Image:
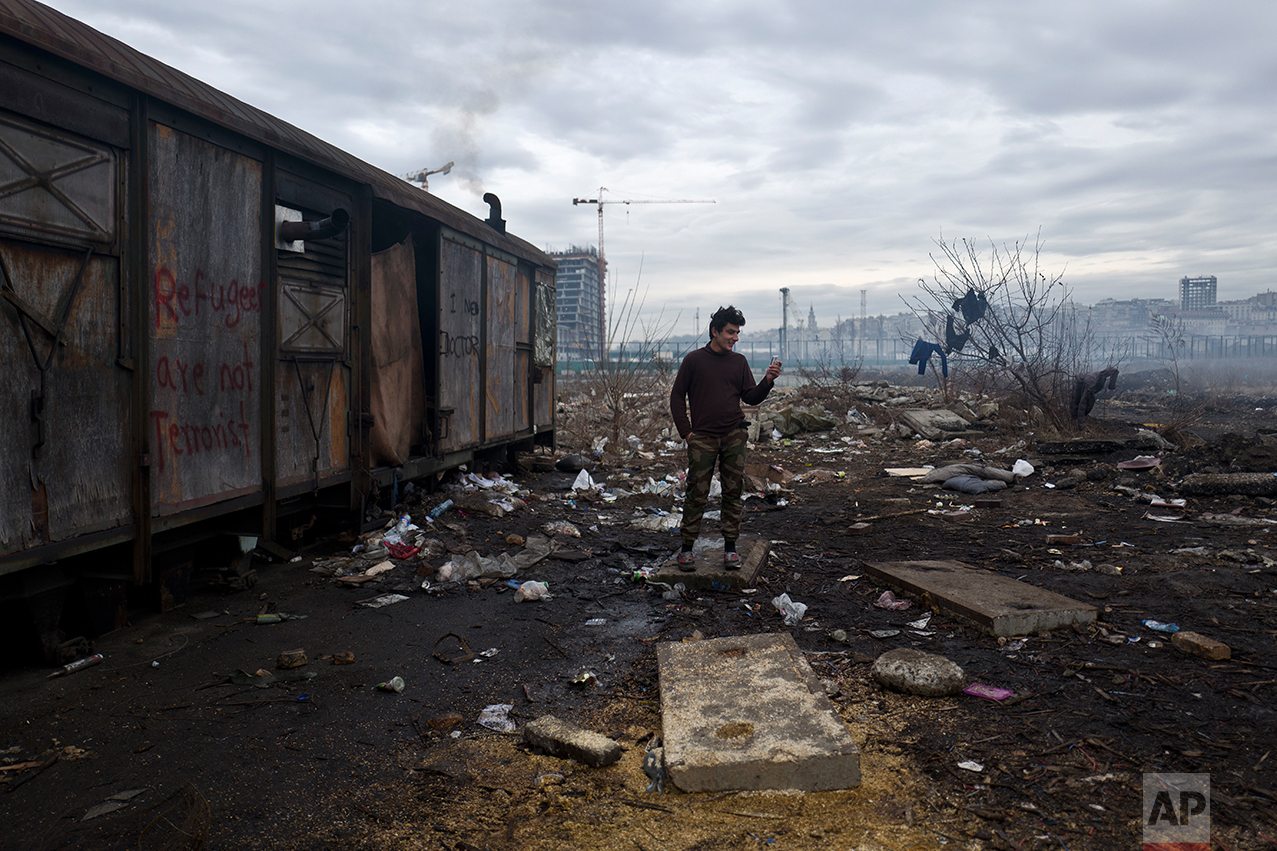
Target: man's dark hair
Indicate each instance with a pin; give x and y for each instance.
(725, 316)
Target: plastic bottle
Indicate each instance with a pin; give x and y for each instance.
(438, 510)
(394, 684)
(77, 665)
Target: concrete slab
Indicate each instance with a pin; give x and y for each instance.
(748, 713)
(935, 425)
(991, 602)
(710, 572)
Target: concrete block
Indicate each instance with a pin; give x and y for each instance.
(748, 713)
(989, 601)
(571, 742)
(1200, 645)
(710, 572)
(915, 672)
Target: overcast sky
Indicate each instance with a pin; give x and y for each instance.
(838, 138)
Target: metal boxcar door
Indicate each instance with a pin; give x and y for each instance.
(500, 387)
(313, 378)
(460, 324)
(64, 400)
(205, 307)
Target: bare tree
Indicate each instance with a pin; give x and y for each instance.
(1008, 324)
(627, 387)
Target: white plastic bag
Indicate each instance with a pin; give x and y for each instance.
(532, 590)
(792, 611)
(1022, 468)
(583, 481)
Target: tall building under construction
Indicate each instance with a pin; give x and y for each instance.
(1196, 293)
(580, 302)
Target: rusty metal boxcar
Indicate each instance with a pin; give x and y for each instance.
(215, 324)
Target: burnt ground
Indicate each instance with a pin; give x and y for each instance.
(333, 762)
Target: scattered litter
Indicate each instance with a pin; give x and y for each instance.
(102, 809)
(377, 569)
(77, 665)
(465, 655)
(532, 590)
(850, 577)
(990, 692)
(658, 523)
(1140, 462)
(792, 611)
(583, 481)
(584, 679)
(920, 623)
(1158, 626)
(887, 600)
(971, 765)
(596, 622)
(1162, 518)
(884, 633)
(438, 510)
(489, 653)
(291, 659)
(383, 600)
(395, 684)
(561, 527)
(1021, 468)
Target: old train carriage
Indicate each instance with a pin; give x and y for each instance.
(216, 326)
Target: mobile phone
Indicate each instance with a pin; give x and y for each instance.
(775, 359)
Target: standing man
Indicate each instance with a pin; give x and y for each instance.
(715, 380)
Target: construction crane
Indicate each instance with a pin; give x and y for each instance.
(600, 201)
(421, 175)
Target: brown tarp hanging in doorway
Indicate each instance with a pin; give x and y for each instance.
(398, 394)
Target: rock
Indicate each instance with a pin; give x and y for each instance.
(1199, 645)
(291, 659)
(915, 672)
(1068, 482)
(571, 742)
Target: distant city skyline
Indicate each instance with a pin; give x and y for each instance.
(839, 138)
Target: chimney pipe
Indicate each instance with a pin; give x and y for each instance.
(322, 229)
(494, 212)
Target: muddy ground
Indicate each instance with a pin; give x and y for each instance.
(331, 761)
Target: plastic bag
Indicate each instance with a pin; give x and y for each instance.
(888, 601)
(792, 611)
(1022, 468)
(561, 527)
(532, 590)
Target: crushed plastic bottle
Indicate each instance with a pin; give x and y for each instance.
(1158, 626)
(438, 510)
(395, 684)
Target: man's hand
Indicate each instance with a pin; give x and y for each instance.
(773, 371)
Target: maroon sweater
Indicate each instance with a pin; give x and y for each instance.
(715, 384)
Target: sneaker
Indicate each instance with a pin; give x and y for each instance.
(687, 561)
(731, 560)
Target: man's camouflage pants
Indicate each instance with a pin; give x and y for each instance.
(702, 452)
